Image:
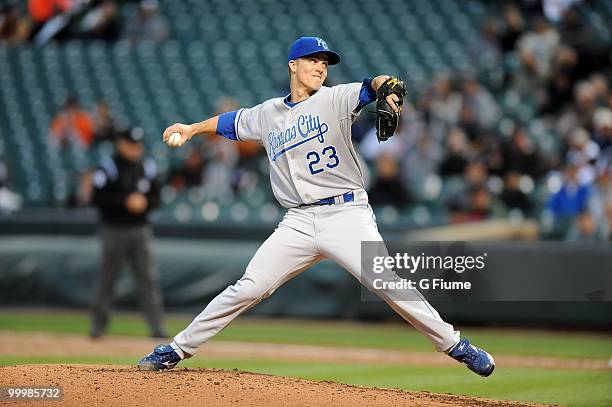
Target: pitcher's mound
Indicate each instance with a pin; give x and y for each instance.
(92, 385)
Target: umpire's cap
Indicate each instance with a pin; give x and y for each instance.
(135, 135)
(305, 46)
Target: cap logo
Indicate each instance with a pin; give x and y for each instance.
(305, 46)
(322, 43)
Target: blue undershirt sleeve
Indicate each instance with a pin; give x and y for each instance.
(366, 94)
(225, 125)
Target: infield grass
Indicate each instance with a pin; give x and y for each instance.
(561, 344)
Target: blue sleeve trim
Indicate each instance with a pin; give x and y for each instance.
(366, 94)
(225, 125)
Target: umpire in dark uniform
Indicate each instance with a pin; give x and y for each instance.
(125, 191)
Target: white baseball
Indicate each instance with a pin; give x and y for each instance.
(175, 140)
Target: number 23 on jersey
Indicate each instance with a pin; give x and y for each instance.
(330, 160)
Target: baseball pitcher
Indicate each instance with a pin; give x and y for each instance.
(316, 175)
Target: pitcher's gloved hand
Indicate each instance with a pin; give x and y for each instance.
(389, 101)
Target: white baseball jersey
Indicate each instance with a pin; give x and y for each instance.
(308, 145)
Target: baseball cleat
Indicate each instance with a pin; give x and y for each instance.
(163, 357)
(476, 359)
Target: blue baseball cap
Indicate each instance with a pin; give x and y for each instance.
(305, 46)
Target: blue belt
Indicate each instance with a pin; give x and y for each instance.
(348, 197)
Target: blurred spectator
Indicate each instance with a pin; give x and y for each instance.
(485, 51)
(481, 207)
(388, 188)
(191, 171)
(246, 149)
(529, 80)
(560, 87)
(148, 24)
(52, 18)
(102, 22)
(493, 157)
(477, 205)
(475, 174)
(521, 155)
(600, 201)
(42, 10)
(445, 105)
(554, 9)
(398, 145)
(602, 123)
(83, 194)
(473, 201)
(574, 32)
(104, 124)
(580, 114)
(9, 200)
(572, 198)
(481, 102)
(601, 89)
(580, 35)
(513, 28)
(584, 228)
(222, 176)
(512, 196)
(422, 159)
(455, 160)
(125, 191)
(469, 123)
(13, 27)
(608, 231)
(222, 158)
(540, 42)
(584, 153)
(72, 124)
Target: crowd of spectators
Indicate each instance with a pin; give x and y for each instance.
(462, 149)
(223, 168)
(40, 21)
(493, 162)
(535, 142)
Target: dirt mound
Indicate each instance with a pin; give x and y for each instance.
(91, 385)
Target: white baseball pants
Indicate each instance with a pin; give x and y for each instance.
(304, 236)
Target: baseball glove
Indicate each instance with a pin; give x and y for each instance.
(386, 119)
